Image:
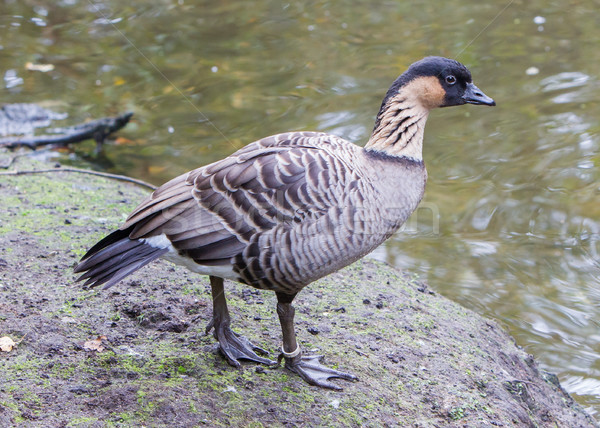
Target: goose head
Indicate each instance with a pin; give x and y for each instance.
(430, 83)
(435, 81)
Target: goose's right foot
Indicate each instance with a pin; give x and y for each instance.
(235, 347)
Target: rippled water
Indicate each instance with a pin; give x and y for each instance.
(510, 222)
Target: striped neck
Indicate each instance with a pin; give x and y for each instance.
(399, 128)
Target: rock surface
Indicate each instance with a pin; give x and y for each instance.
(136, 354)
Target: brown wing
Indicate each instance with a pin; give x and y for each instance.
(212, 214)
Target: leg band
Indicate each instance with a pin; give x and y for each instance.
(290, 354)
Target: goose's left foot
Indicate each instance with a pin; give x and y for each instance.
(313, 372)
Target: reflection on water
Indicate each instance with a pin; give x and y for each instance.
(510, 223)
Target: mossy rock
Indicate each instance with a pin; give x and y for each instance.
(422, 360)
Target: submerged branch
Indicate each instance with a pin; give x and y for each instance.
(97, 129)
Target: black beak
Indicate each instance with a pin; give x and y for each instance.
(474, 95)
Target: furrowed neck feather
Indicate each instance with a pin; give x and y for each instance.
(400, 124)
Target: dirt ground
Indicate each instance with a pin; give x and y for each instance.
(136, 354)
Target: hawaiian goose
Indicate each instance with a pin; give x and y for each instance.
(289, 209)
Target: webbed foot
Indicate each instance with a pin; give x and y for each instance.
(235, 347)
(313, 372)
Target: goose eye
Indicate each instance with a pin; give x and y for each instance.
(451, 80)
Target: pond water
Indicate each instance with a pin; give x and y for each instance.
(510, 224)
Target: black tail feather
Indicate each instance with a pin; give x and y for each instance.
(99, 268)
(102, 272)
(113, 250)
(117, 235)
(115, 257)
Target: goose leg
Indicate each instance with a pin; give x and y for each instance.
(308, 368)
(233, 346)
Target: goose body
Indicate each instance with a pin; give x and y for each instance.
(288, 209)
(279, 213)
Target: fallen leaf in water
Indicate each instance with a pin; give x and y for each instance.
(155, 169)
(94, 344)
(7, 344)
(121, 140)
